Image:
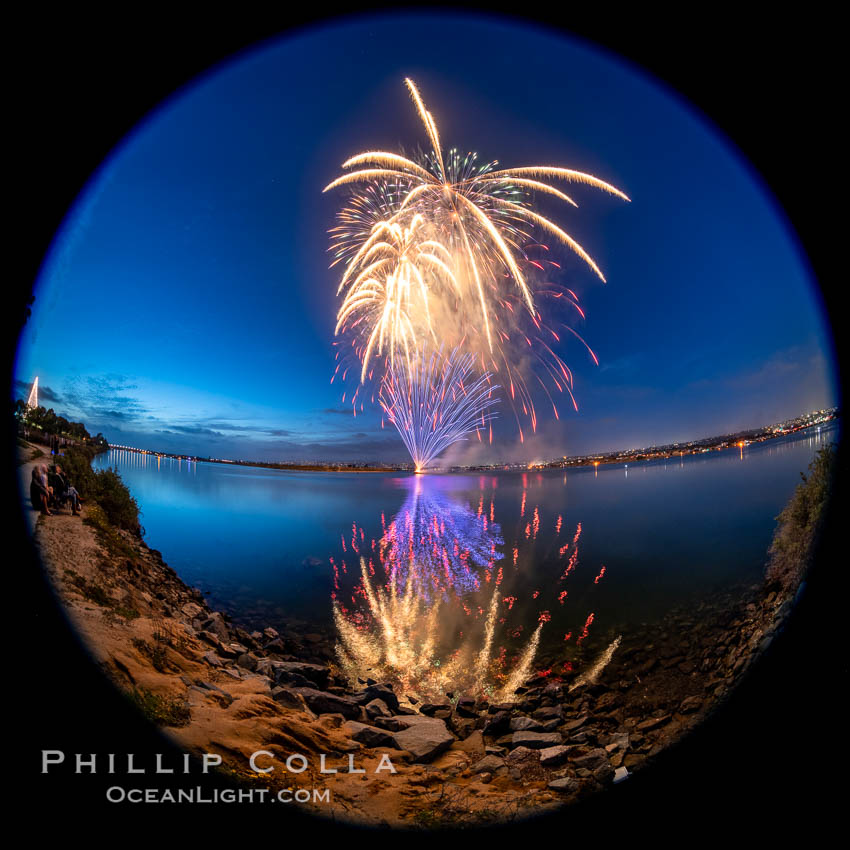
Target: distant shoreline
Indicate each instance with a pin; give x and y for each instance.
(694, 447)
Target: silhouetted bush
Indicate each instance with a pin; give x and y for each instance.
(114, 498)
(792, 549)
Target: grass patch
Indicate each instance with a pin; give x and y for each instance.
(96, 593)
(163, 711)
(93, 592)
(107, 536)
(156, 653)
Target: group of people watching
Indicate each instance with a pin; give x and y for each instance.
(50, 488)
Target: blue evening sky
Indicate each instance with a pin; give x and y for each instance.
(187, 304)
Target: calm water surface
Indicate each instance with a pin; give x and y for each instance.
(268, 545)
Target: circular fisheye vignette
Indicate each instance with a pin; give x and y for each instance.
(517, 726)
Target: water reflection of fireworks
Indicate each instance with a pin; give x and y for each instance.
(429, 602)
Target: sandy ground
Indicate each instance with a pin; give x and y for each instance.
(150, 634)
(235, 717)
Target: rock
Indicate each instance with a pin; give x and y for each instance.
(555, 690)
(498, 707)
(620, 774)
(212, 659)
(291, 699)
(604, 773)
(217, 626)
(549, 712)
(379, 691)
(232, 672)
(425, 738)
(394, 724)
(608, 700)
(286, 671)
(463, 727)
(192, 610)
(593, 760)
(377, 708)
(573, 725)
(522, 724)
(523, 754)
(653, 723)
(690, 704)
(536, 740)
(472, 744)
(248, 661)
(466, 707)
(566, 785)
(489, 764)
(553, 756)
(497, 723)
(369, 736)
(618, 741)
(271, 633)
(322, 702)
(431, 708)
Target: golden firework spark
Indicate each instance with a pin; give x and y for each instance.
(402, 645)
(444, 248)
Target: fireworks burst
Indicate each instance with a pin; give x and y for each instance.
(444, 250)
(433, 402)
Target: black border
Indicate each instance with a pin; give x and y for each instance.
(82, 81)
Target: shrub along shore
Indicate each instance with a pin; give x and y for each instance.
(220, 688)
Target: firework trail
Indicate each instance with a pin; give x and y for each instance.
(445, 247)
(433, 402)
(402, 645)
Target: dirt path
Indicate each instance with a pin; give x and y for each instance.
(25, 468)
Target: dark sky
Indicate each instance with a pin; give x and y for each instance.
(201, 248)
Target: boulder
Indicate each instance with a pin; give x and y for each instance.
(288, 697)
(593, 760)
(217, 626)
(549, 712)
(690, 704)
(369, 736)
(497, 723)
(489, 764)
(377, 708)
(424, 738)
(536, 740)
(566, 785)
(573, 725)
(431, 708)
(286, 671)
(523, 724)
(653, 723)
(378, 691)
(322, 702)
(553, 756)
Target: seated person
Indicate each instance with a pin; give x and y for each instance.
(75, 498)
(56, 480)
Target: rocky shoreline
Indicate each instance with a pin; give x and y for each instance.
(217, 687)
